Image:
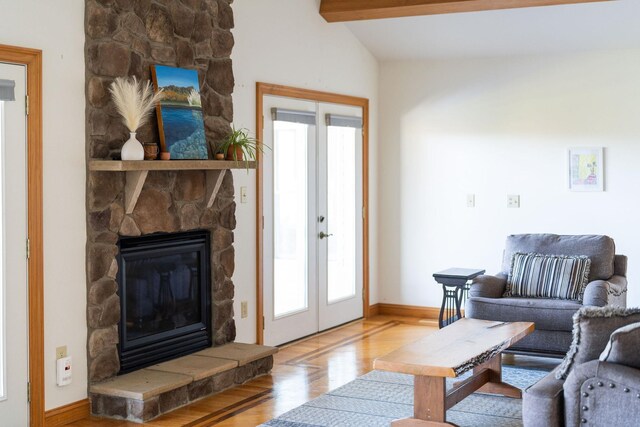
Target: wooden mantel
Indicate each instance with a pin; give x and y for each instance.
(355, 10)
(137, 171)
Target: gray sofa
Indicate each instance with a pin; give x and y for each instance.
(592, 387)
(552, 317)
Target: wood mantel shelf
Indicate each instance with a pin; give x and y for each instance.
(166, 165)
(137, 171)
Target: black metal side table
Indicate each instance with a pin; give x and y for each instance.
(455, 287)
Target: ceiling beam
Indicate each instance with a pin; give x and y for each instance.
(355, 10)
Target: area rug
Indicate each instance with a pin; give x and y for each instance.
(378, 397)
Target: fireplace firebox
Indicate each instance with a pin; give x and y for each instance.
(164, 285)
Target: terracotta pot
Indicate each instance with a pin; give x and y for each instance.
(239, 153)
(165, 155)
(218, 156)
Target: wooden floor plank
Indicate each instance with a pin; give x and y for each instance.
(302, 371)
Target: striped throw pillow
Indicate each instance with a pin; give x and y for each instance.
(548, 276)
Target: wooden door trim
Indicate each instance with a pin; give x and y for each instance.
(262, 90)
(32, 58)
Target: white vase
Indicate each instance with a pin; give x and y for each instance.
(132, 149)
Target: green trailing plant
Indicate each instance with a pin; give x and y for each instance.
(238, 146)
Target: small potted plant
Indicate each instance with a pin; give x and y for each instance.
(238, 146)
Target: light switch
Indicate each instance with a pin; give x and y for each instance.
(513, 201)
(244, 309)
(243, 194)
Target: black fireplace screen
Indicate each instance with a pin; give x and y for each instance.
(165, 298)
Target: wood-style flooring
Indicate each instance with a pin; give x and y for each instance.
(302, 371)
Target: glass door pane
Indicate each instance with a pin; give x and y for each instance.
(290, 207)
(342, 211)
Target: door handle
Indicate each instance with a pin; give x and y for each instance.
(322, 235)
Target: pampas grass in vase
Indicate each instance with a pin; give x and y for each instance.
(134, 101)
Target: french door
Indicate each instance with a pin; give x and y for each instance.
(14, 332)
(313, 206)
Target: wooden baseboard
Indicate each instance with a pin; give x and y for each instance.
(431, 313)
(67, 414)
(374, 310)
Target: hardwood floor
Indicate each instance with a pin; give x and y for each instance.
(302, 371)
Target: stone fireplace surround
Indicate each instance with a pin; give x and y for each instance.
(124, 38)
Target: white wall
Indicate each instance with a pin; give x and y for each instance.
(57, 28)
(305, 52)
(287, 42)
(494, 127)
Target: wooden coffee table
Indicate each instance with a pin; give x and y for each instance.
(450, 352)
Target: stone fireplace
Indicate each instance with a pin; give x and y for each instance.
(124, 38)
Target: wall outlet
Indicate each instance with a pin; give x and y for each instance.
(513, 201)
(61, 352)
(244, 309)
(471, 200)
(243, 194)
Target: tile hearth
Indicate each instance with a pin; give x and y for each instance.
(147, 393)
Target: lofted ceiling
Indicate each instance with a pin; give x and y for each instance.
(526, 31)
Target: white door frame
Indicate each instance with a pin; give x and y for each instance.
(263, 89)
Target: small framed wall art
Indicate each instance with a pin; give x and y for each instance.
(586, 169)
(180, 120)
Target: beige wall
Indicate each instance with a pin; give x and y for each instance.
(494, 127)
(287, 42)
(57, 28)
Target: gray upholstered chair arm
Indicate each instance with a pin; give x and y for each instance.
(617, 285)
(606, 405)
(543, 403)
(488, 286)
(600, 293)
(596, 294)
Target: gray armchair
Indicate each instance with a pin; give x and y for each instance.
(593, 386)
(552, 317)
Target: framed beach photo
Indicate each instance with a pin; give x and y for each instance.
(586, 169)
(180, 120)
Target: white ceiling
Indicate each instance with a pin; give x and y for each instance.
(533, 30)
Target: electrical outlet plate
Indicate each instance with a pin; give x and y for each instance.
(243, 194)
(513, 201)
(61, 352)
(244, 309)
(471, 200)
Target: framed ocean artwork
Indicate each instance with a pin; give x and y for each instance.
(180, 120)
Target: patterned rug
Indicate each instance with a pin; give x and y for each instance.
(378, 397)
